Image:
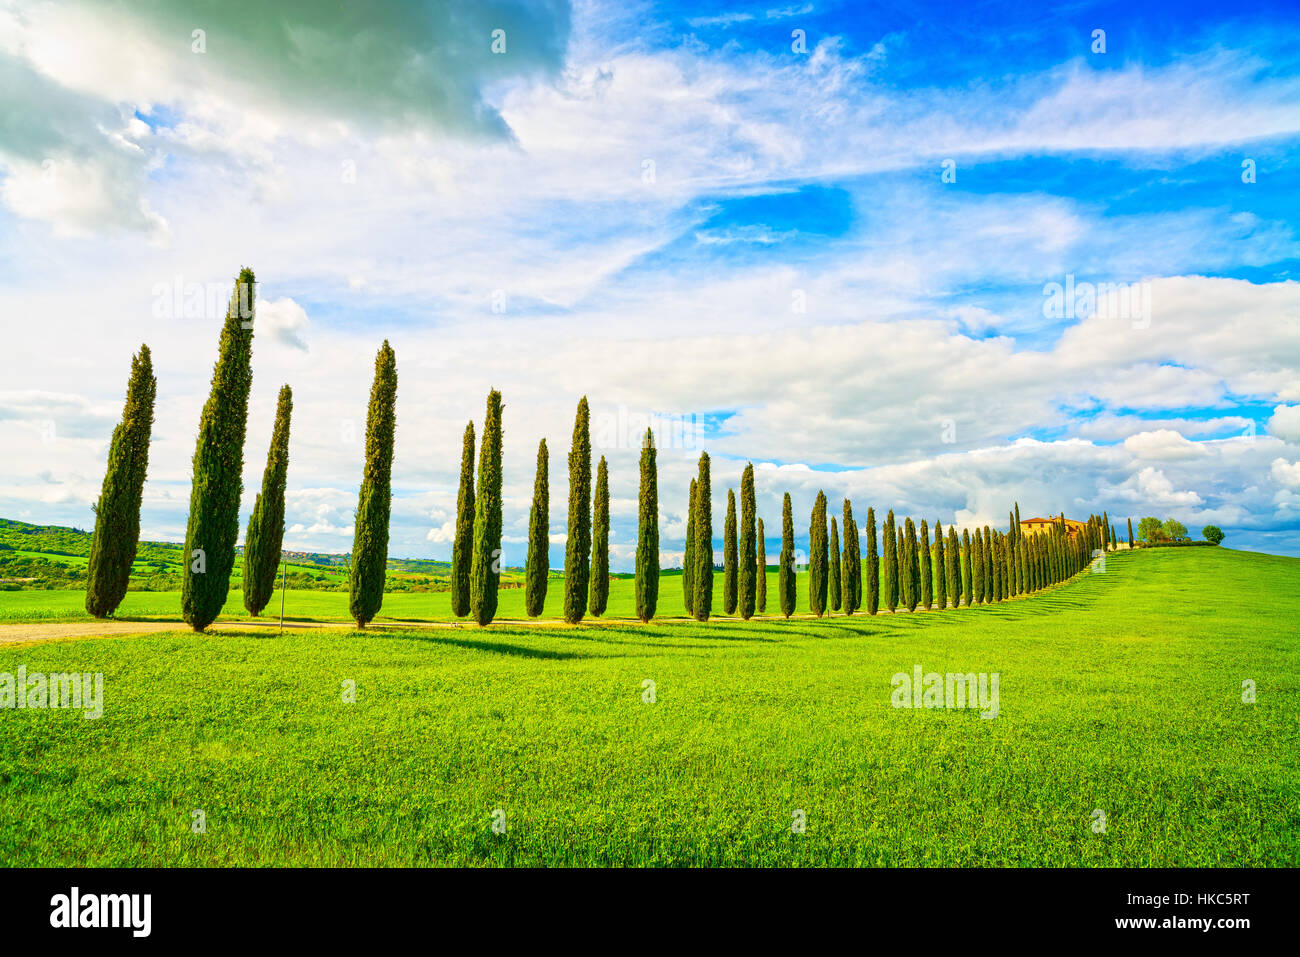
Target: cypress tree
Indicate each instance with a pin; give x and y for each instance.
(1013, 538)
(851, 570)
(537, 566)
(940, 568)
(748, 550)
(1113, 539)
(485, 568)
(600, 543)
(988, 565)
(977, 579)
(1105, 531)
(760, 599)
(952, 566)
(904, 578)
(927, 573)
(463, 545)
(833, 577)
(703, 602)
(967, 567)
(1130, 533)
(889, 550)
(912, 573)
(873, 565)
(817, 557)
(218, 466)
(688, 556)
(730, 557)
(370, 531)
(999, 579)
(265, 536)
(647, 533)
(577, 548)
(117, 513)
(785, 574)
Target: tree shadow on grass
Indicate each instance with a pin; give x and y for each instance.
(497, 647)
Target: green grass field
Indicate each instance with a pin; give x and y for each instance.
(1121, 692)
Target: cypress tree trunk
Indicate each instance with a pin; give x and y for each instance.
(485, 566)
(760, 600)
(817, 557)
(785, 574)
(213, 525)
(952, 567)
(265, 535)
(730, 558)
(889, 550)
(927, 573)
(577, 549)
(117, 513)
(537, 566)
(600, 543)
(703, 602)
(370, 534)
(647, 533)
(940, 568)
(873, 565)
(851, 569)
(833, 577)
(688, 557)
(748, 546)
(463, 544)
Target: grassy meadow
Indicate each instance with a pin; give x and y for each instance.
(1120, 692)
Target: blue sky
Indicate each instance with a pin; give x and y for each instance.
(732, 221)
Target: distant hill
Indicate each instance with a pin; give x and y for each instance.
(54, 556)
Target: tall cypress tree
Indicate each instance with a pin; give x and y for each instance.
(688, 556)
(873, 565)
(600, 543)
(851, 569)
(977, 580)
(912, 578)
(927, 573)
(218, 466)
(967, 567)
(1130, 533)
(537, 566)
(785, 581)
(817, 546)
(748, 549)
(1113, 540)
(703, 603)
(577, 548)
(999, 578)
(940, 568)
(117, 513)
(463, 545)
(889, 551)
(485, 566)
(265, 536)
(647, 533)
(730, 557)
(988, 565)
(760, 599)
(833, 575)
(1010, 555)
(1106, 542)
(370, 531)
(952, 566)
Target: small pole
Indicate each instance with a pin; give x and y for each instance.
(284, 566)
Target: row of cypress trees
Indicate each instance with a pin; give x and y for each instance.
(990, 567)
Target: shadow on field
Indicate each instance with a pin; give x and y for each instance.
(498, 647)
